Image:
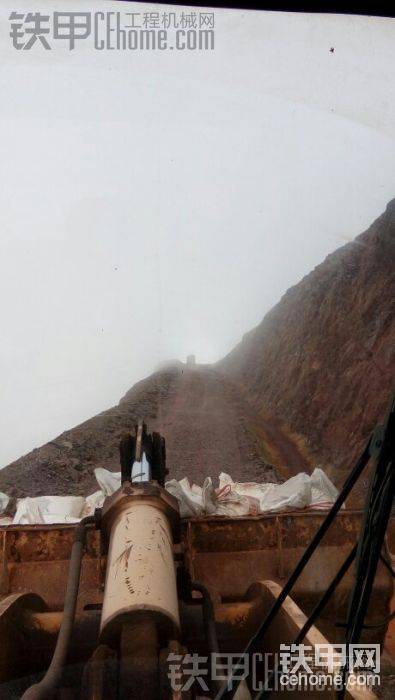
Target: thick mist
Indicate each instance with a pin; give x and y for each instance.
(158, 204)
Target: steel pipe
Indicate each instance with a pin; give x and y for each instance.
(48, 685)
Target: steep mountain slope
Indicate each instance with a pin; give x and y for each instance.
(323, 359)
(306, 386)
(208, 427)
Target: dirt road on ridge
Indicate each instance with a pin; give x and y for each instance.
(209, 427)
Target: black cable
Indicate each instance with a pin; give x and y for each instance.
(377, 513)
(380, 445)
(229, 687)
(210, 631)
(265, 693)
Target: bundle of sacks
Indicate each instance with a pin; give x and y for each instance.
(237, 498)
(231, 498)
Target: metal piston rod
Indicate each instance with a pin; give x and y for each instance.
(140, 605)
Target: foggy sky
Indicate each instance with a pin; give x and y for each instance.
(155, 204)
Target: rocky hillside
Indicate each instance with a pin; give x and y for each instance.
(323, 359)
(208, 425)
(304, 387)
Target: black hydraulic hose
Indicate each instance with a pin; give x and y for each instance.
(210, 631)
(327, 595)
(208, 617)
(377, 513)
(230, 685)
(266, 692)
(48, 685)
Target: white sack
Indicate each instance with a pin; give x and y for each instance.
(95, 500)
(49, 510)
(108, 481)
(324, 493)
(231, 498)
(189, 497)
(237, 498)
(294, 493)
(4, 500)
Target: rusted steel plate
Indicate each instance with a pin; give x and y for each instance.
(230, 535)
(43, 542)
(48, 579)
(267, 531)
(228, 554)
(36, 558)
